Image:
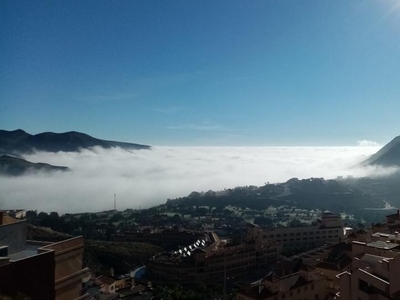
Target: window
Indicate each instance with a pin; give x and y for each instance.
(4, 251)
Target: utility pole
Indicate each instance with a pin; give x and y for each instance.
(115, 202)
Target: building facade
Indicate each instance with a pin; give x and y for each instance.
(39, 270)
(166, 237)
(328, 229)
(302, 285)
(375, 272)
(213, 261)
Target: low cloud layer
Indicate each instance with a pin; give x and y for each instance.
(366, 143)
(148, 177)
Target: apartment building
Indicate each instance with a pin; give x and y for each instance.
(211, 261)
(39, 270)
(375, 272)
(163, 237)
(328, 229)
(393, 222)
(302, 285)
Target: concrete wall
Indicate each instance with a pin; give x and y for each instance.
(14, 236)
(33, 277)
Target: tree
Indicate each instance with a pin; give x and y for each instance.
(263, 221)
(176, 219)
(42, 215)
(31, 214)
(54, 215)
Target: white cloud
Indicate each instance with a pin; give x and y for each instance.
(148, 177)
(366, 143)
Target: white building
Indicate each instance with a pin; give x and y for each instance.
(328, 229)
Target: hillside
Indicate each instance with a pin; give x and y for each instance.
(388, 156)
(15, 166)
(18, 141)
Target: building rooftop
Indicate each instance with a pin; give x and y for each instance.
(287, 283)
(386, 236)
(383, 245)
(30, 250)
(340, 265)
(6, 219)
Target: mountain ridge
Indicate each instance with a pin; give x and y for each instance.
(19, 141)
(387, 156)
(15, 166)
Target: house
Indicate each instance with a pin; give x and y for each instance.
(305, 284)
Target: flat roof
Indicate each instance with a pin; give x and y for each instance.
(383, 245)
(386, 235)
(30, 250)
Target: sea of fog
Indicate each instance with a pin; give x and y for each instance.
(144, 178)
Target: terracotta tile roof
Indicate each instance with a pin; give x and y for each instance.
(8, 220)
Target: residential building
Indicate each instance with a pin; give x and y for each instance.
(328, 229)
(211, 260)
(163, 237)
(39, 270)
(302, 285)
(393, 222)
(374, 274)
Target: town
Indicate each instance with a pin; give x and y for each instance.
(207, 258)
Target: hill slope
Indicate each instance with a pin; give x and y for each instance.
(18, 141)
(15, 166)
(388, 156)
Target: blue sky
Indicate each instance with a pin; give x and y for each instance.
(222, 73)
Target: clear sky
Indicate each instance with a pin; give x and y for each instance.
(233, 73)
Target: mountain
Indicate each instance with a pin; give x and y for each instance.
(388, 156)
(15, 166)
(18, 141)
